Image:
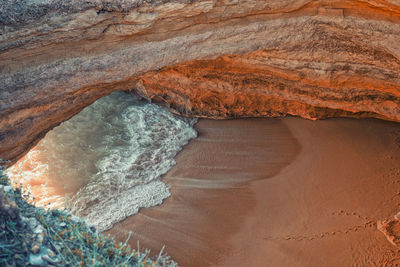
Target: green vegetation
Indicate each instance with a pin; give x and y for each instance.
(34, 236)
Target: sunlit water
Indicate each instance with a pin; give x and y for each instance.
(105, 163)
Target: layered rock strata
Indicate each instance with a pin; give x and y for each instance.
(214, 58)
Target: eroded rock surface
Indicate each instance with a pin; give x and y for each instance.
(391, 229)
(213, 58)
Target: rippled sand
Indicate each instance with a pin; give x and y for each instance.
(278, 192)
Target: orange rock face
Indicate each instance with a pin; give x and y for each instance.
(391, 229)
(278, 82)
(207, 58)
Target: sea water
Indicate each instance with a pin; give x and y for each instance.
(105, 163)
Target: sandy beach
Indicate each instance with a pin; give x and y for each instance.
(278, 192)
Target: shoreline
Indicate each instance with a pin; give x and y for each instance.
(335, 179)
(203, 182)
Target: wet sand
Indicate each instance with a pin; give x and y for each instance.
(278, 192)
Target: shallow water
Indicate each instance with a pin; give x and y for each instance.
(106, 162)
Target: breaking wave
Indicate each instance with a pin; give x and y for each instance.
(106, 163)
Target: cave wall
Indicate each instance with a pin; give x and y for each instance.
(214, 58)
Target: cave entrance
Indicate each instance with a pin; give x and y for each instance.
(112, 154)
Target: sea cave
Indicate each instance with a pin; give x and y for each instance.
(200, 133)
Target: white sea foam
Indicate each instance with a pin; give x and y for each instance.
(108, 159)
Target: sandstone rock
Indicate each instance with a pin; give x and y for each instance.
(35, 249)
(49, 260)
(36, 260)
(207, 58)
(391, 229)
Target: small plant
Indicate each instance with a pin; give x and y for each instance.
(35, 236)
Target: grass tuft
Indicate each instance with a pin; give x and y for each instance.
(34, 236)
